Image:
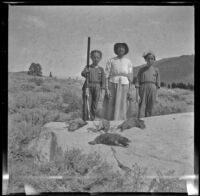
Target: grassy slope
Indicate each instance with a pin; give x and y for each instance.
(36, 101)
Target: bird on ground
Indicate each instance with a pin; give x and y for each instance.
(101, 125)
(132, 122)
(76, 124)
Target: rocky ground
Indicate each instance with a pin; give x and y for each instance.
(167, 143)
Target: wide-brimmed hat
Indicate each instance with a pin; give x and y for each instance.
(121, 44)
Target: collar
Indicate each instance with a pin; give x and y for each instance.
(94, 67)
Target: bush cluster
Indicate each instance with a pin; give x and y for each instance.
(180, 85)
(87, 173)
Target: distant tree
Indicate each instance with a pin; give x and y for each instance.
(190, 86)
(182, 85)
(173, 85)
(178, 85)
(168, 85)
(35, 69)
(163, 84)
(50, 75)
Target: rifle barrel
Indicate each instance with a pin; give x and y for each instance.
(88, 52)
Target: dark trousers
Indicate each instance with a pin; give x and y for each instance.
(147, 94)
(94, 95)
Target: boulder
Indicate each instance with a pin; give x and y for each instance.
(44, 147)
(167, 143)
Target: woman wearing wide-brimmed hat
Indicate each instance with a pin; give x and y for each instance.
(119, 76)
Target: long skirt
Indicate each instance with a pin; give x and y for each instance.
(115, 108)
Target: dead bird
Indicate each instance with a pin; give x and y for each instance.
(132, 122)
(102, 125)
(76, 124)
(111, 139)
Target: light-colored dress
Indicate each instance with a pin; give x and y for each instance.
(119, 73)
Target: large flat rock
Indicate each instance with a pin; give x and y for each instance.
(167, 143)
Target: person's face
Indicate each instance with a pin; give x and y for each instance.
(150, 60)
(96, 57)
(121, 51)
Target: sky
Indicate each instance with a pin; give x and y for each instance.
(56, 36)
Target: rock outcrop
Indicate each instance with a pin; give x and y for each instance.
(44, 147)
(167, 143)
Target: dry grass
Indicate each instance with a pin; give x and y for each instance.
(85, 173)
(169, 101)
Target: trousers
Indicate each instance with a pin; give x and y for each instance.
(147, 93)
(94, 95)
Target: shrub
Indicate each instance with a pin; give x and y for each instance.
(75, 115)
(74, 101)
(167, 183)
(35, 69)
(87, 172)
(27, 87)
(25, 100)
(19, 135)
(46, 88)
(36, 80)
(57, 86)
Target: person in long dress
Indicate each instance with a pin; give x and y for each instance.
(119, 76)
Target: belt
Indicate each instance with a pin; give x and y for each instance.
(146, 82)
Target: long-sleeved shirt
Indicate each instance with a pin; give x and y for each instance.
(96, 75)
(148, 74)
(119, 69)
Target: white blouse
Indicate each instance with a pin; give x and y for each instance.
(115, 67)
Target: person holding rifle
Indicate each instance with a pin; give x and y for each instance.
(94, 86)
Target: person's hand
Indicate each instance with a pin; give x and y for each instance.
(108, 94)
(87, 70)
(130, 96)
(138, 99)
(156, 97)
(102, 95)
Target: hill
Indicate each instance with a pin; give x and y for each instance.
(175, 69)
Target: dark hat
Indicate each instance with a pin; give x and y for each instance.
(121, 44)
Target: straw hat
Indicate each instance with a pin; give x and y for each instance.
(121, 44)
